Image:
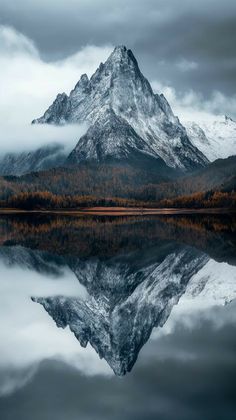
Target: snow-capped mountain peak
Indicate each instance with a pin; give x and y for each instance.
(119, 85)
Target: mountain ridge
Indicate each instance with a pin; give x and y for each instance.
(216, 139)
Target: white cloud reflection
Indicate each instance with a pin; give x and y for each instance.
(29, 335)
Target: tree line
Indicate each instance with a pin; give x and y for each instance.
(46, 200)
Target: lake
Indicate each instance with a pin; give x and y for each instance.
(130, 318)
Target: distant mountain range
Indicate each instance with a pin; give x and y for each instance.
(215, 139)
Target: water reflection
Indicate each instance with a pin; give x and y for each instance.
(121, 277)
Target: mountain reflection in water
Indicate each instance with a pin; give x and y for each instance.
(133, 271)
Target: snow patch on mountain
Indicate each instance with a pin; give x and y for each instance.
(216, 139)
(214, 284)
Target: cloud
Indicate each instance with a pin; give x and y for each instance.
(13, 43)
(11, 380)
(190, 105)
(202, 32)
(28, 86)
(21, 137)
(185, 65)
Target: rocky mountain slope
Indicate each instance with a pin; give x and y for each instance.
(119, 99)
(215, 139)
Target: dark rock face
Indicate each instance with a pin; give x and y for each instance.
(118, 101)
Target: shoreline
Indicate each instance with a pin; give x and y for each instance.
(118, 211)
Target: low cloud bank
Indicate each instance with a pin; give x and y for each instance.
(20, 137)
(191, 106)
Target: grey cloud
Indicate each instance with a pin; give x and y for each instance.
(160, 33)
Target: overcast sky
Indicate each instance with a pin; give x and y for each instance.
(190, 44)
(185, 48)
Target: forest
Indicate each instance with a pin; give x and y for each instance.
(46, 200)
(121, 185)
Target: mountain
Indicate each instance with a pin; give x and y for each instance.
(215, 139)
(122, 306)
(43, 158)
(120, 106)
(112, 140)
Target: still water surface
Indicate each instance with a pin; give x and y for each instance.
(118, 318)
